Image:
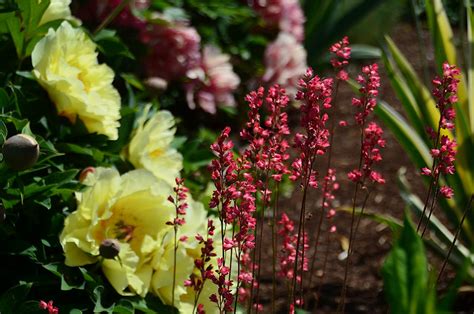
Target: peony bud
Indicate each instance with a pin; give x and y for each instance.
(109, 248)
(85, 172)
(20, 152)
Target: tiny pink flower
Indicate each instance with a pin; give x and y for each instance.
(446, 191)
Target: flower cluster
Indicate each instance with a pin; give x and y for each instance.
(286, 14)
(65, 64)
(267, 150)
(285, 62)
(289, 250)
(179, 202)
(135, 211)
(218, 83)
(48, 306)
(370, 83)
(370, 150)
(202, 264)
(315, 96)
(180, 57)
(342, 54)
(330, 185)
(445, 91)
(444, 151)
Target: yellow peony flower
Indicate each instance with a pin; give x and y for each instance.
(65, 64)
(132, 208)
(150, 147)
(58, 9)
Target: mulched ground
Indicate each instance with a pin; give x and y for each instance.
(365, 286)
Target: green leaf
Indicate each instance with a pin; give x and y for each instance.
(13, 297)
(441, 32)
(110, 44)
(425, 102)
(14, 28)
(405, 273)
(3, 132)
(411, 142)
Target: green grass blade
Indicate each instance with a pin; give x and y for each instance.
(425, 101)
(408, 138)
(406, 97)
(441, 32)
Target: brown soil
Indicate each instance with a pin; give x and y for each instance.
(365, 286)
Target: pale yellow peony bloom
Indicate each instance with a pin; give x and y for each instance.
(65, 64)
(150, 147)
(58, 9)
(132, 208)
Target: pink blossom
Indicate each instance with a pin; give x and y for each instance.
(371, 145)
(446, 191)
(286, 14)
(289, 250)
(342, 54)
(445, 91)
(174, 51)
(218, 83)
(285, 62)
(370, 83)
(315, 96)
(48, 306)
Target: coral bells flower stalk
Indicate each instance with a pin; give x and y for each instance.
(444, 148)
(370, 83)
(341, 55)
(203, 265)
(179, 202)
(370, 143)
(315, 97)
(266, 154)
(289, 251)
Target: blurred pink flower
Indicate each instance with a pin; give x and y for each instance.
(98, 10)
(173, 51)
(216, 85)
(287, 14)
(285, 62)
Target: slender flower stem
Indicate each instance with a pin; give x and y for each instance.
(432, 206)
(174, 262)
(433, 180)
(325, 262)
(466, 210)
(115, 12)
(342, 305)
(346, 267)
(260, 241)
(328, 167)
(308, 167)
(274, 245)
